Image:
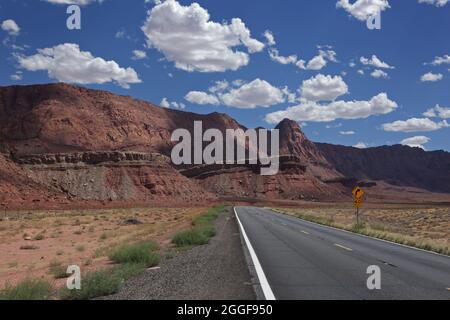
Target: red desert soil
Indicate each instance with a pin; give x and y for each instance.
(30, 242)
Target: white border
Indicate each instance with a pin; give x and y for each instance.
(268, 294)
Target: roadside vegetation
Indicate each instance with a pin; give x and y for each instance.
(103, 282)
(135, 258)
(131, 253)
(375, 230)
(139, 253)
(131, 260)
(202, 229)
(57, 270)
(29, 289)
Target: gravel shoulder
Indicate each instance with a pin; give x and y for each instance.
(217, 271)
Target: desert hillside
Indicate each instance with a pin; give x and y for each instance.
(398, 165)
(66, 144)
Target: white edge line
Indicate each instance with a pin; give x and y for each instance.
(363, 235)
(268, 294)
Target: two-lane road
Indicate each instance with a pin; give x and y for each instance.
(303, 260)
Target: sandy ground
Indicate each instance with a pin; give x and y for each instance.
(32, 241)
(216, 271)
(425, 223)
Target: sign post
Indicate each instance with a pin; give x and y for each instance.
(358, 194)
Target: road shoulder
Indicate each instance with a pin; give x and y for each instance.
(217, 271)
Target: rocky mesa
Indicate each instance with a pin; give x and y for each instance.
(67, 144)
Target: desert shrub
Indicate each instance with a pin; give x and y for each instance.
(94, 284)
(39, 237)
(358, 227)
(141, 253)
(103, 282)
(202, 231)
(29, 289)
(57, 270)
(208, 217)
(193, 237)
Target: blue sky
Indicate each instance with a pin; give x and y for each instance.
(345, 84)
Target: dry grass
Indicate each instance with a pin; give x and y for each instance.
(426, 227)
(83, 238)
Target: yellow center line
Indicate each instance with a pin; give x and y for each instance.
(342, 247)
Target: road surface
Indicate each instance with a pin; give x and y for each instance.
(303, 260)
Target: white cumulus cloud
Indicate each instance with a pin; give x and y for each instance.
(441, 60)
(316, 63)
(363, 9)
(165, 103)
(202, 98)
(16, 76)
(379, 74)
(139, 55)
(270, 38)
(219, 86)
(313, 111)
(431, 77)
(258, 93)
(438, 111)
(323, 88)
(361, 145)
(414, 125)
(437, 3)
(275, 56)
(416, 142)
(376, 62)
(11, 27)
(67, 63)
(187, 37)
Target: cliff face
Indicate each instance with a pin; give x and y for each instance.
(71, 143)
(19, 189)
(113, 176)
(61, 118)
(397, 165)
(294, 142)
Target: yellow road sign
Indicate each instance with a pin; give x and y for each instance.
(358, 193)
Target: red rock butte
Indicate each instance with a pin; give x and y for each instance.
(63, 145)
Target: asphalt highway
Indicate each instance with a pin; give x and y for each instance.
(300, 260)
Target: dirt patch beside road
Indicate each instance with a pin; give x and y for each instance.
(217, 271)
(30, 242)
